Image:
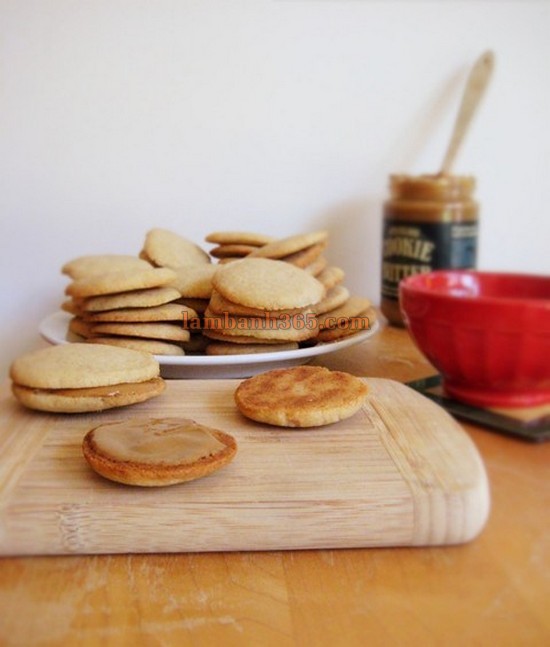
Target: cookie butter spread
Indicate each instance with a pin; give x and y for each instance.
(162, 440)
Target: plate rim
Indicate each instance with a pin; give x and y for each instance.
(321, 348)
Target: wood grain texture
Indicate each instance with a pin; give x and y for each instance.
(491, 591)
(399, 472)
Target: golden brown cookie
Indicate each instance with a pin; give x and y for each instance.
(148, 330)
(227, 348)
(147, 298)
(165, 312)
(220, 305)
(158, 451)
(153, 346)
(100, 263)
(166, 248)
(122, 281)
(267, 284)
(231, 250)
(239, 238)
(219, 335)
(82, 365)
(286, 246)
(84, 377)
(86, 400)
(303, 396)
(305, 257)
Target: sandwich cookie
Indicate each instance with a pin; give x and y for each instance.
(158, 451)
(84, 377)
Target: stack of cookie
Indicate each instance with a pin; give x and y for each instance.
(135, 307)
(302, 250)
(233, 245)
(338, 313)
(76, 378)
(261, 302)
(173, 299)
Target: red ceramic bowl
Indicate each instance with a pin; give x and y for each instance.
(488, 334)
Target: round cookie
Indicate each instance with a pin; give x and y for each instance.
(88, 400)
(153, 346)
(76, 378)
(149, 330)
(157, 452)
(146, 298)
(232, 250)
(219, 335)
(122, 281)
(305, 257)
(290, 245)
(100, 263)
(303, 396)
(267, 284)
(220, 305)
(164, 312)
(227, 348)
(82, 365)
(165, 248)
(239, 238)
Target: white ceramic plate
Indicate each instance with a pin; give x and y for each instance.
(54, 329)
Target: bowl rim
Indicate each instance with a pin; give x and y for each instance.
(416, 284)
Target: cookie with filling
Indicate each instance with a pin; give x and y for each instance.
(82, 377)
(157, 451)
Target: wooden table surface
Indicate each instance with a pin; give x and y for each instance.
(491, 591)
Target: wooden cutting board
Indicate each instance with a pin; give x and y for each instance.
(401, 472)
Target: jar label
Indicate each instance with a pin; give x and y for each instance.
(416, 248)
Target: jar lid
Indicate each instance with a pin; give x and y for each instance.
(432, 187)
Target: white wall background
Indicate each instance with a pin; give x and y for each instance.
(273, 115)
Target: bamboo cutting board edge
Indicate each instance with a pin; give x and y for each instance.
(400, 472)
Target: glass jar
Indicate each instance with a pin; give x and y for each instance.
(430, 223)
